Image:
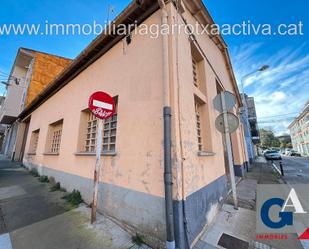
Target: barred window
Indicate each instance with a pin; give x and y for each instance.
(34, 139)
(194, 68)
(54, 137)
(91, 136)
(198, 126)
(109, 132)
(55, 146)
(198, 69)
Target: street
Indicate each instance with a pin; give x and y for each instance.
(296, 169)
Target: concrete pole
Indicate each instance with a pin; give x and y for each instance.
(96, 176)
(229, 150)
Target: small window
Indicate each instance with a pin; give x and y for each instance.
(88, 128)
(198, 69)
(34, 139)
(203, 134)
(198, 111)
(54, 137)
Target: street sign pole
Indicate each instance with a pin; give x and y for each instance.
(97, 171)
(229, 150)
(102, 107)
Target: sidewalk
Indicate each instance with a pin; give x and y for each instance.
(32, 217)
(235, 229)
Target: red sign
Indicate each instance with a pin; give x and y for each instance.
(101, 105)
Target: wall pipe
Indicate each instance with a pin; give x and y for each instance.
(168, 177)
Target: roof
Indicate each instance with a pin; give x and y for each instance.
(41, 52)
(136, 12)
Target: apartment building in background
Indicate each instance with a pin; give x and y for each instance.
(143, 74)
(252, 117)
(2, 126)
(31, 72)
(299, 130)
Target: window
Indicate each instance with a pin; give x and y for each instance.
(194, 68)
(88, 129)
(198, 126)
(54, 137)
(34, 139)
(109, 134)
(203, 134)
(198, 69)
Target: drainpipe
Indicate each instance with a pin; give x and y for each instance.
(168, 180)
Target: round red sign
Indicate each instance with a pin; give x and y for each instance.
(101, 105)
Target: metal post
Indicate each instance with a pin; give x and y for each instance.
(97, 172)
(281, 168)
(229, 151)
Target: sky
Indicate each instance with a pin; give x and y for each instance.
(280, 92)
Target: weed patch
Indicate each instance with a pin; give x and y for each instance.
(43, 179)
(55, 187)
(73, 198)
(138, 239)
(34, 172)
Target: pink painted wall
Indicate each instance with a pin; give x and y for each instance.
(136, 77)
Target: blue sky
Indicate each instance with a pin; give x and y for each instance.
(283, 89)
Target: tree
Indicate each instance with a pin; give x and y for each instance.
(268, 139)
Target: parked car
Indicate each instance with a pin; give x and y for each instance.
(294, 153)
(272, 155)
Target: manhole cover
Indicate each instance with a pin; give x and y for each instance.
(230, 242)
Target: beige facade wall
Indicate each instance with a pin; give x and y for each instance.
(134, 73)
(199, 171)
(136, 78)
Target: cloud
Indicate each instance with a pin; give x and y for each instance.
(282, 90)
(279, 97)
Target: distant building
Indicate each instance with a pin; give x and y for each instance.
(255, 136)
(285, 138)
(249, 121)
(32, 71)
(2, 126)
(299, 130)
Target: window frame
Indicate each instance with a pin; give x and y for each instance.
(34, 141)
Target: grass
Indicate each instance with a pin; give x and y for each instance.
(34, 172)
(43, 179)
(73, 198)
(138, 239)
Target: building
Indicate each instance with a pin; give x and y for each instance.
(32, 71)
(164, 89)
(299, 130)
(249, 120)
(254, 130)
(2, 126)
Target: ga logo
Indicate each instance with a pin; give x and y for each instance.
(286, 217)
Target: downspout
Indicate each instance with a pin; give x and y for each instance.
(168, 178)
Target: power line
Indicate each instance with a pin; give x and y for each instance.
(279, 115)
(2, 72)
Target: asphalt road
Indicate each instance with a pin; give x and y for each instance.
(296, 169)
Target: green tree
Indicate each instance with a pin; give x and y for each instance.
(268, 139)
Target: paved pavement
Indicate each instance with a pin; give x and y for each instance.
(32, 217)
(241, 223)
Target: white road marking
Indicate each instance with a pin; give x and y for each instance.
(101, 104)
(5, 241)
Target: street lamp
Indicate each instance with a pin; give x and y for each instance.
(261, 69)
(244, 109)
